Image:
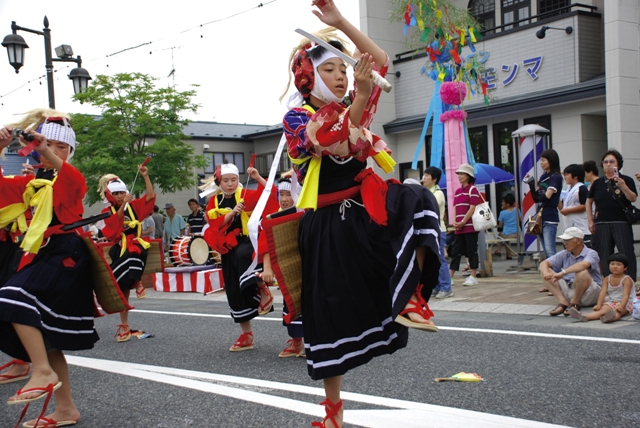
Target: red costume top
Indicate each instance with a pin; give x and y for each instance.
(114, 227)
(220, 237)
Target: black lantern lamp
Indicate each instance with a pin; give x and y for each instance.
(15, 45)
(80, 78)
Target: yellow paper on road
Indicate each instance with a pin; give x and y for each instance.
(461, 377)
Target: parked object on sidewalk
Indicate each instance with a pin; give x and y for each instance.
(461, 377)
(635, 313)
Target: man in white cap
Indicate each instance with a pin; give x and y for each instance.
(573, 274)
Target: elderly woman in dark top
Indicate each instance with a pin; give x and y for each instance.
(609, 226)
(547, 194)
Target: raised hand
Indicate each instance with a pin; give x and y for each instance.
(329, 13)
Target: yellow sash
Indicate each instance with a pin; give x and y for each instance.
(220, 212)
(132, 223)
(43, 201)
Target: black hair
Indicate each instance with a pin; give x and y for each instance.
(435, 173)
(619, 257)
(616, 154)
(192, 200)
(318, 51)
(156, 208)
(472, 180)
(554, 160)
(591, 166)
(576, 171)
(509, 199)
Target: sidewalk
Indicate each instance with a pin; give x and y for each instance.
(506, 292)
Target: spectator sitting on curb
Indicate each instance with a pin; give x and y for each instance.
(573, 274)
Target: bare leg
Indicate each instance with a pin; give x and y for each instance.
(42, 374)
(66, 409)
(554, 287)
(124, 315)
(246, 326)
(581, 283)
(332, 390)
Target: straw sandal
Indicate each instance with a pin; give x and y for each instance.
(244, 343)
(5, 378)
(123, 333)
(418, 306)
(264, 309)
(295, 348)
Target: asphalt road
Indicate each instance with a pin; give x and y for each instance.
(538, 370)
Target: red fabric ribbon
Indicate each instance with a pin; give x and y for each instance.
(374, 195)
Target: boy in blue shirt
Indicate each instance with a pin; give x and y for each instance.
(508, 221)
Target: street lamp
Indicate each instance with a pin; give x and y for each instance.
(542, 32)
(16, 45)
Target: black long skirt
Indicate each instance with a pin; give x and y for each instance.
(242, 290)
(128, 268)
(54, 293)
(357, 276)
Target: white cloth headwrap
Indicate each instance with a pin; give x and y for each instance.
(320, 89)
(284, 185)
(117, 185)
(229, 168)
(65, 134)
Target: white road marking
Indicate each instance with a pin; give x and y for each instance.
(471, 330)
(408, 414)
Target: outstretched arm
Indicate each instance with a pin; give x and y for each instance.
(329, 14)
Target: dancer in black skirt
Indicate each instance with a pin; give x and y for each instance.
(129, 251)
(228, 213)
(47, 305)
(366, 245)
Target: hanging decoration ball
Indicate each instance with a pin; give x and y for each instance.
(453, 93)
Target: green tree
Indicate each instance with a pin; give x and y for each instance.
(137, 120)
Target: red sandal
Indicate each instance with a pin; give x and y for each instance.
(420, 307)
(332, 410)
(46, 392)
(5, 378)
(266, 308)
(123, 333)
(141, 293)
(244, 343)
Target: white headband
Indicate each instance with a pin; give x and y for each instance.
(320, 89)
(284, 185)
(229, 168)
(116, 185)
(65, 134)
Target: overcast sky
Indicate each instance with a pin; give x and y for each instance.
(240, 63)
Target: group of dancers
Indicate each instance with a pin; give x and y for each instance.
(368, 248)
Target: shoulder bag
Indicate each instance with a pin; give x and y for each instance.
(533, 225)
(482, 217)
(631, 213)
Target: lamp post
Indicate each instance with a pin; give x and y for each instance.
(16, 45)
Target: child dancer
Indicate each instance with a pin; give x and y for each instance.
(616, 296)
(294, 328)
(129, 251)
(228, 213)
(363, 241)
(54, 272)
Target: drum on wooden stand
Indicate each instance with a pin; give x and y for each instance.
(189, 251)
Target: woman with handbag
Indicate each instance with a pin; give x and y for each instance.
(547, 193)
(466, 240)
(613, 194)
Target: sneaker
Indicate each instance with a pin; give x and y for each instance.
(471, 280)
(244, 343)
(295, 348)
(576, 314)
(444, 294)
(123, 333)
(434, 293)
(452, 282)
